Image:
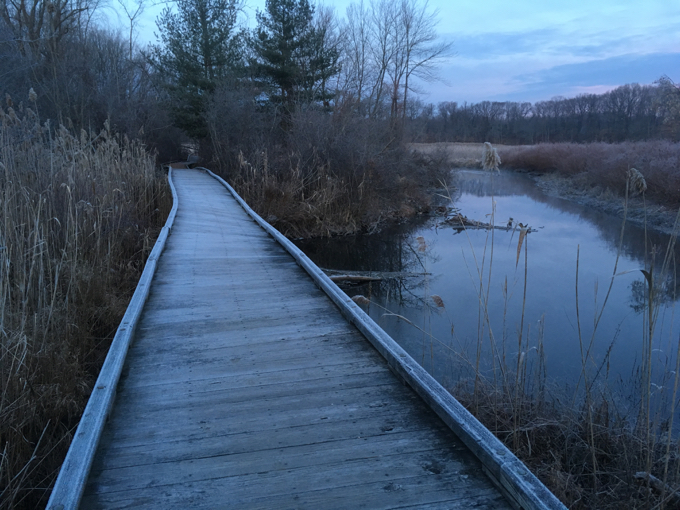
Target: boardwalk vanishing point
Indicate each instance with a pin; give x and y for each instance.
(243, 378)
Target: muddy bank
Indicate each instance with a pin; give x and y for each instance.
(581, 191)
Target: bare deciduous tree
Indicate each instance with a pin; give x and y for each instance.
(387, 45)
(132, 11)
(382, 46)
(356, 69)
(421, 48)
(39, 26)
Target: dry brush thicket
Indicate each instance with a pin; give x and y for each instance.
(588, 456)
(323, 175)
(80, 213)
(605, 165)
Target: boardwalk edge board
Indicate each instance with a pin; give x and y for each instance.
(506, 471)
(70, 484)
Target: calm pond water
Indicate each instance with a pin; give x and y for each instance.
(445, 340)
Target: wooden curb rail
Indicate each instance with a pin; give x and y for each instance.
(523, 490)
(70, 484)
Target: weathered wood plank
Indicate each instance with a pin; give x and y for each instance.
(280, 375)
(215, 405)
(372, 428)
(391, 473)
(192, 371)
(255, 355)
(379, 423)
(178, 393)
(238, 418)
(260, 339)
(412, 492)
(405, 449)
(218, 325)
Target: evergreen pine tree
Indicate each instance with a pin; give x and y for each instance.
(199, 47)
(291, 54)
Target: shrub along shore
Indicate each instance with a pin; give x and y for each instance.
(323, 174)
(595, 175)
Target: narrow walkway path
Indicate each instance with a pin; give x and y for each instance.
(246, 388)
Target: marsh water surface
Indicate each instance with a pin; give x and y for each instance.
(544, 321)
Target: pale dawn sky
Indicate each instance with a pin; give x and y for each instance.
(529, 50)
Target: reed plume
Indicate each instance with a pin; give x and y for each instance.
(490, 158)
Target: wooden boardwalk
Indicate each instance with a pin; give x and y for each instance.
(246, 388)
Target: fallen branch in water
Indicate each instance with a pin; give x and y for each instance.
(460, 222)
(350, 278)
(659, 486)
(368, 276)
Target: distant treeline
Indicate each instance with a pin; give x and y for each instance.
(629, 112)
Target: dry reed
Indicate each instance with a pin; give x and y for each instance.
(490, 159)
(80, 214)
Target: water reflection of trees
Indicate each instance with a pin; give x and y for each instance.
(650, 249)
(408, 290)
(394, 250)
(636, 244)
(485, 184)
(665, 293)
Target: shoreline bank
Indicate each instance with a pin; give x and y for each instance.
(640, 211)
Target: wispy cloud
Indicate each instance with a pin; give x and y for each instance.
(530, 78)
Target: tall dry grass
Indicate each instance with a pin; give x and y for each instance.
(79, 216)
(456, 154)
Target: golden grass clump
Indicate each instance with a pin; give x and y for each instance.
(78, 217)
